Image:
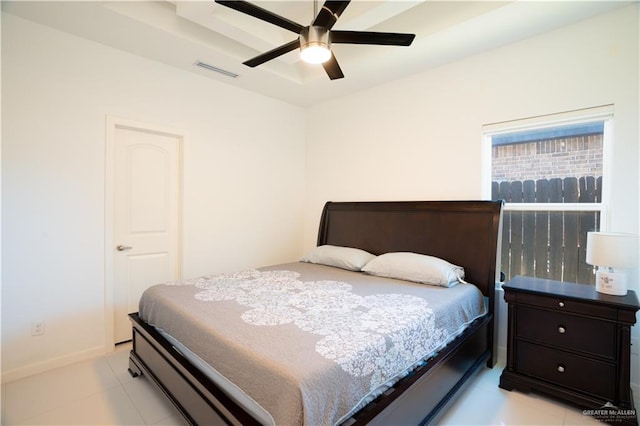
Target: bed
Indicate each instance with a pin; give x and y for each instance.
(465, 233)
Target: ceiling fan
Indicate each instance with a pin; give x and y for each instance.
(315, 40)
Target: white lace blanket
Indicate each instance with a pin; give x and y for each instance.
(307, 342)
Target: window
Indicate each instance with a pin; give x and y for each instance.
(550, 171)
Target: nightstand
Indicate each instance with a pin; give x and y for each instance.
(570, 342)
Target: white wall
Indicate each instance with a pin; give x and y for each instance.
(243, 181)
(420, 137)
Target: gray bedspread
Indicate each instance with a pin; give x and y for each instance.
(308, 342)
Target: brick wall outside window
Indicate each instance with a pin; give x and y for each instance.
(553, 158)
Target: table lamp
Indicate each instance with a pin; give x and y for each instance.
(610, 252)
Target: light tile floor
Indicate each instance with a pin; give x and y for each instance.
(96, 392)
(484, 403)
(101, 392)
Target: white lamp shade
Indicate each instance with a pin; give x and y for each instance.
(612, 249)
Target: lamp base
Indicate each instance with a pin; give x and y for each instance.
(614, 283)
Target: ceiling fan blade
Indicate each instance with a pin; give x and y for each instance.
(368, 37)
(330, 12)
(263, 14)
(332, 68)
(272, 54)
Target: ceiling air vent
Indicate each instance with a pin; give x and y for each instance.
(216, 69)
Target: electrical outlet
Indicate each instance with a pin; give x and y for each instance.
(37, 328)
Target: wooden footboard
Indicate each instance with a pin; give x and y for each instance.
(418, 399)
(198, 399)
(423, 397)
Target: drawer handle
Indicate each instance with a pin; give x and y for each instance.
(561, 304)
(561, 368)
(561, 329)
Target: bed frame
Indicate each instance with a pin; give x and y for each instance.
(465, 233)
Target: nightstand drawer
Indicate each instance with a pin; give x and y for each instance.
(565, 369)
(573, 332)
(562, 304)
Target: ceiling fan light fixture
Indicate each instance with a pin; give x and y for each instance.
(314, 45)
(315, 54)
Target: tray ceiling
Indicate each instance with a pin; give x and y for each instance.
(182, 33)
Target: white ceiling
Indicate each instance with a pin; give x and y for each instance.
(181, 33)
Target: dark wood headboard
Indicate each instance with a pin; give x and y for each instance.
(464, 233)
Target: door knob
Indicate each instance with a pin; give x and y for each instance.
(123, 248)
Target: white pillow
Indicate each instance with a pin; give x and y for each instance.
(415, 267)
(349, 258)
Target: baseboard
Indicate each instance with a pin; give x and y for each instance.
(40, 367)
(502, 356)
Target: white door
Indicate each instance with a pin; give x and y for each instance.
(146, 219)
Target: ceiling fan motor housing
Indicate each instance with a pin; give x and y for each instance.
(315, 44)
